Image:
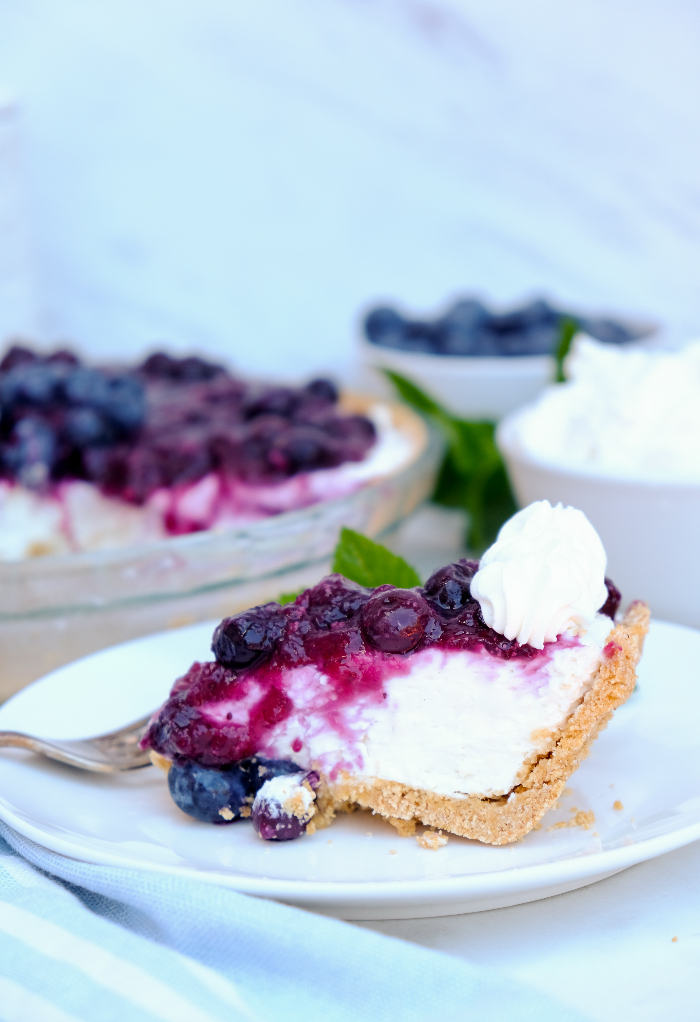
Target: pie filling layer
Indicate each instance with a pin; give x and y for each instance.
(408, 686)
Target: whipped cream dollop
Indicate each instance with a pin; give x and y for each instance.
(544, 575)
(623, 413)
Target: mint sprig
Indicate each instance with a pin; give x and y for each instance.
(568, 328)
(473, 475)
(370, 564)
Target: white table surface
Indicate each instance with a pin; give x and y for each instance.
(606, 950)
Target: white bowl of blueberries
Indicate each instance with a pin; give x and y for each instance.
(479, 362)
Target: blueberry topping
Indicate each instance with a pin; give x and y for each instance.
(335, 602)
(16, 356)
(612, 604)
(335, 628)
(160, 366)
(168, 423)
(395, 620)
(30, 452)
(323, 390)
(448, 588)
(247, 639)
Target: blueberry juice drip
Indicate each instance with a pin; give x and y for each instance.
(163, 426)
(321, 662)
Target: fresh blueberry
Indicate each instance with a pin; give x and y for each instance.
(222, 794)
(612, 604)
(248, 638)
(160, 366)
(460, 329)
(30, 452)
(300, 449)
(124, 401)
(449, 587)
(33, 384)
(323, 390)
(63, 357)
(211, 794)
(421, 337)
(84, 427)
(16, 356)
(386, 327)
(394, 620)
(278, 401)
(609, 331)
(196, 370)
(87, 387)
(526, 330)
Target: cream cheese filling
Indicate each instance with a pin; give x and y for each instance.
(459, 723)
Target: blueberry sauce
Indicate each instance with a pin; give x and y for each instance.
(223, 711)
(164, 425)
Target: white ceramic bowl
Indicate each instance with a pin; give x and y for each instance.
(468, 386)
(651, 531)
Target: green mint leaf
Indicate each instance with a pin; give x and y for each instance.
(371, 564)
(473, 475)
(288, 597)
(568, 328)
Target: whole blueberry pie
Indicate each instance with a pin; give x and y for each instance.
(98, 457)
(463, 704)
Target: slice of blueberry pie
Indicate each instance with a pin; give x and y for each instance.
(464, 704)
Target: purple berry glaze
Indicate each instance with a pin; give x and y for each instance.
(220, 713)
(612, 604)
(164, 425)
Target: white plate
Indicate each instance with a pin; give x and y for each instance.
(648, 759)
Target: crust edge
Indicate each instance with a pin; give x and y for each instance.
(502, 820)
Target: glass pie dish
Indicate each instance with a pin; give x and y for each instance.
(54, 609)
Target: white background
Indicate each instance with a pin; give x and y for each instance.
(245, 177)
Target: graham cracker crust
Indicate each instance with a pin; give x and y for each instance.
(499, 821)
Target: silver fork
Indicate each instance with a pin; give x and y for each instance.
(118, 750)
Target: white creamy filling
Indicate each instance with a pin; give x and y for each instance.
(460, 723)
(79, 517)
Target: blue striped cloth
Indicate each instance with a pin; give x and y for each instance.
(100, 944)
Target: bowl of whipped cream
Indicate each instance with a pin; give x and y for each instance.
(139, 498)
(620, 439)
